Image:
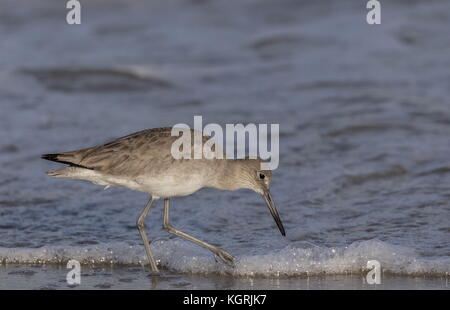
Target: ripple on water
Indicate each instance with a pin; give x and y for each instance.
(96, 80)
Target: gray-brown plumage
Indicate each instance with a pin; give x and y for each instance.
(143, 161)
(123, 156)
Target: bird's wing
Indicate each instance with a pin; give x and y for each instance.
(129, 155)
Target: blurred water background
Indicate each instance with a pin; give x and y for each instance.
(364, 118)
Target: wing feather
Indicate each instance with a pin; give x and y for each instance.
(128, 156)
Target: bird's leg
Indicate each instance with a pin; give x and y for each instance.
(140, 226)
(224, 256)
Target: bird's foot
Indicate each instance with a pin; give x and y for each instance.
(228, 259)
(153, 273)
(151, 269)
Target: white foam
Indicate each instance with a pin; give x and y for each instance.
(180, 256)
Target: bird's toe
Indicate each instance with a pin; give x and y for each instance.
(226, 258)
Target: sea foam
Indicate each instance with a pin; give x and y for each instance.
(291, 261)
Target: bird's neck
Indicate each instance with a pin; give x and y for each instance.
(229, 176)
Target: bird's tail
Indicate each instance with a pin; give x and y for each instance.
(74, 171)
(60, 173)
(64, 158)
(59, 158)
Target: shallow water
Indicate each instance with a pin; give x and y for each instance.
(364, 132)
(46, 277)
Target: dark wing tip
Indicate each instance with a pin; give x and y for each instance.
(52, 157)
(56, 158)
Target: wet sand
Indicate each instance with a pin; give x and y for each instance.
(53, 277)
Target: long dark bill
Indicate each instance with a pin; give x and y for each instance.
(273, 211)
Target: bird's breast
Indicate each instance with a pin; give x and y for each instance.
(170, 186)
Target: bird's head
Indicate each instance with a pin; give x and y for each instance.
(247, 173)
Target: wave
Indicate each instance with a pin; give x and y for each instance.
(102, 79)
(291, 261)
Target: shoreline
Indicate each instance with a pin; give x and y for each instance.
(53, 277)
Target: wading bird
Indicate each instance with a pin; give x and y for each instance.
(143, 162)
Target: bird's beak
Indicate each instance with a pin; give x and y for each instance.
(273, 211)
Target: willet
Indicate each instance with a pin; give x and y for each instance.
(143, 162)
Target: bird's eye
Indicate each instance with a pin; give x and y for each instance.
(262, 176)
